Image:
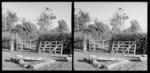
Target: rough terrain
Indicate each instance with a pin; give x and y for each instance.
(80, 62)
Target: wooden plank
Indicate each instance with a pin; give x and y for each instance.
(17, 57)
(55, 48)
(22, 63)
(96, 63)
(90, 46)
(37, 66)
(132, 55)
(135, 49)
(128, 47)
(112, 50)
(93, 57)
(110, 67)
(16, 45)
(61, 49)
(40, 47)
(63, 56)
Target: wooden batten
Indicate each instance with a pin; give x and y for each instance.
(111, 66)
(37, 66)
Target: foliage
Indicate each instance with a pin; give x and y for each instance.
(46, 18)
(117, 21)
(55, 35)
(81, 18)
(98, 30)
(26, 30)
(63, 27)
(78, 40)
(8, 18)
(141, 40)
(6, 37)
(135, 27)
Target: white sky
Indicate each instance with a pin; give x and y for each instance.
(104, 10)
(32, 10)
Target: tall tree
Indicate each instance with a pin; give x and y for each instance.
(118, 19)
(46, 19)
(135, 26)
(81, 18)
(63, 27)
(8, 18)
(99, 29)
(26, 30)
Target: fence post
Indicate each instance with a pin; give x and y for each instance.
(135, 49)
(128, 46)
(61, 48)
(112, 47)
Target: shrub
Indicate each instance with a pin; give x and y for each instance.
(6, 37)
(66, 38)
(78, 40)
(140, 38)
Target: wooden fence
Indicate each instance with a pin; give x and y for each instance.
(22, 45)
(125, 47)
(98, 45)
(52, 47)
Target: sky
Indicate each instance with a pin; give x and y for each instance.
(32, 10)
(104, 10)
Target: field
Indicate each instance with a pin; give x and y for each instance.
(7, 64)
(80, 62)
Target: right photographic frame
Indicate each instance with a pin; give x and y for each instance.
(110, 36)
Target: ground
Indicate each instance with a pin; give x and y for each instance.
(9, 65)
(81, 64)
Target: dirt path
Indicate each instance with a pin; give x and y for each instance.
(79, 64)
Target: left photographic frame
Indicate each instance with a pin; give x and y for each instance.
(36, 36)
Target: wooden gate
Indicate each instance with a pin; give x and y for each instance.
(125, 47)
(22, 45)
(55, 47)
(98, 45)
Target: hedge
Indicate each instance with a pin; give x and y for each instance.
(78, 40)
(140, 38)
(6, 38)
(57, 36)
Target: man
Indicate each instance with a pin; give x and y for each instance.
(85, 44)
(12, 44)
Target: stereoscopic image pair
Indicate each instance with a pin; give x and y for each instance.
(92, 36)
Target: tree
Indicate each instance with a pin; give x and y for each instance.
(63, 27)
(8, 19)
(46, 19)
(135, 26)
(26, 30)
(81, 18)
(118, 19)
(99, 29)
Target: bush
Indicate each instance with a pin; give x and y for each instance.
(78, 40)
(6, 37)
(140, 38)
(66, 38)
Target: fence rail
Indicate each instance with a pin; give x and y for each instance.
(125, 47)
(53, 47)
(98, 45)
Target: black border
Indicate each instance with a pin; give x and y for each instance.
(72, 19)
